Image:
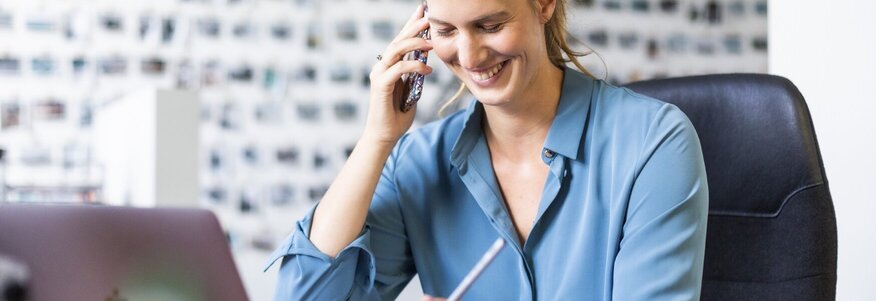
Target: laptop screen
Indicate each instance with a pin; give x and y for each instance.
(88, 252)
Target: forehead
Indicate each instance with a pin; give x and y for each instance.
(462, 11)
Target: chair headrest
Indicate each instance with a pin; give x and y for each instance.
(757, 137)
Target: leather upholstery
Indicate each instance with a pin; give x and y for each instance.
(772, 227)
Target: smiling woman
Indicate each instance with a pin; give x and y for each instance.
(508, 24)
(599, 192)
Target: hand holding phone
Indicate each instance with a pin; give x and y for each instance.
(414, 81)
(396, 84)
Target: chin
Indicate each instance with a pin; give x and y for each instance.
(491, 99)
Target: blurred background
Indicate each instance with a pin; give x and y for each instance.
(250, 107)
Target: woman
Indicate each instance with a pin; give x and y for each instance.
(600, 193)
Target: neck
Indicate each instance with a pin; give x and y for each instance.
(518, 129)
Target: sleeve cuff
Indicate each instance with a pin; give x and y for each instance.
(298, 243)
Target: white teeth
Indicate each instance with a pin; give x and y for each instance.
(482, 76)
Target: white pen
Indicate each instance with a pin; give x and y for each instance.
(477, 270)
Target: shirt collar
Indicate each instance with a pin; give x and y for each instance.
(566, 133)
(471, 131)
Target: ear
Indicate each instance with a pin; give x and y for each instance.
(545, 9)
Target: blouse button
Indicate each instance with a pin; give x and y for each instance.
(548, 153)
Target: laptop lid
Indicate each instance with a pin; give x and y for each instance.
(88, 252)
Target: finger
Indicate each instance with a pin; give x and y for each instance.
(412, 27)
(418, 14)
(394, 73)
(397, 50)
(404, 67)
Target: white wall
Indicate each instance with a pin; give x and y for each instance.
(828, 49)
(176, 148)
(148, 142)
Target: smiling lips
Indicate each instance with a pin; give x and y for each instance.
(488, 74)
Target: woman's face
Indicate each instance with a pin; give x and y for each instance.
(496, 47)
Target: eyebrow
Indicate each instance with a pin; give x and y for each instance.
(481, 19)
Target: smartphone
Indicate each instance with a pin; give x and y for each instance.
(414, 81)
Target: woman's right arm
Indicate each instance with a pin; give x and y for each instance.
(340, 216)
(332, 253)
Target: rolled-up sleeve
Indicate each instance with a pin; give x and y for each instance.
(375, 266)
(660, 256)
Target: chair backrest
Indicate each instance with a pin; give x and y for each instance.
(772, 227)
(91, 252)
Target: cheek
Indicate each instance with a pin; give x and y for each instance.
(515, 41)
(508, 43)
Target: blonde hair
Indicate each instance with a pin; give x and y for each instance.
(556, 40)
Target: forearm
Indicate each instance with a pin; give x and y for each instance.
(341, 213)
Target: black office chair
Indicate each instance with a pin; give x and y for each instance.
(772, 227)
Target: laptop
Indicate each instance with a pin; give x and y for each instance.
(91, 252)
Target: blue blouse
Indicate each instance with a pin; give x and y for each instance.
(622, 215)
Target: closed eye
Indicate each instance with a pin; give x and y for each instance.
(500, 16)
(491, 28)
(485, 28)
(444, 32)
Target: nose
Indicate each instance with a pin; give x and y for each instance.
(471, 52)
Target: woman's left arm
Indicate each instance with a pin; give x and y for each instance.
(664, 236)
